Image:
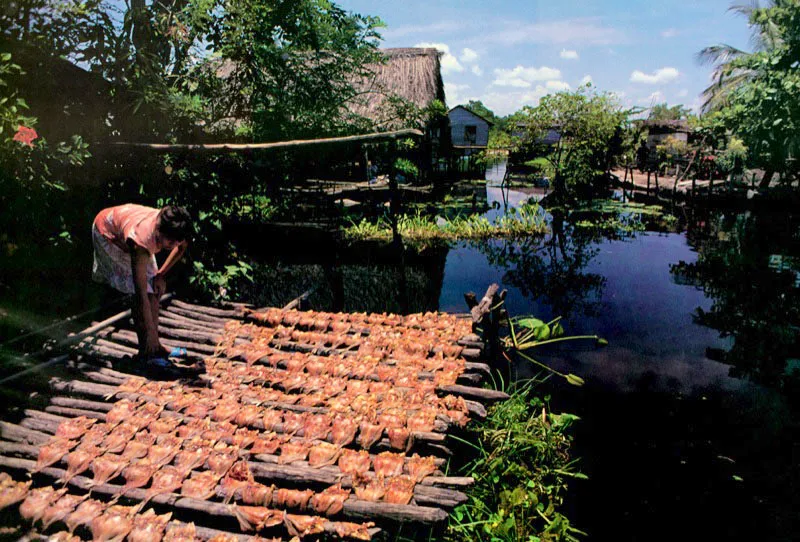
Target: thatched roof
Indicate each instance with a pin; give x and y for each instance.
(413, 74)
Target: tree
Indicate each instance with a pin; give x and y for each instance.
(663, 111)
(273, 68)
(729, 71)
(477, 107)
(764, 110)
(588, 125)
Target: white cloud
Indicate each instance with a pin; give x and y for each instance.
(468, 56)
(505, 103)
(584, 31)
(476, 70)
(669, 33)
(557, 86)
(683, 93)
(569, 55)
(522, 77)
(663, 75)
(586, 79)
(450, 63)
(454, 94)
(654, 98)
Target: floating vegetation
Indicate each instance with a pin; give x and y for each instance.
(520, 472)
(419, 229)
(621, 217)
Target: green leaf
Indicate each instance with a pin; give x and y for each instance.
(602, 342)
(738, 478)
(5, 57)
(574, 380)
(530, 323)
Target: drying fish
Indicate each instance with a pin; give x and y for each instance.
(166, 480)
(198, 410)
(148, 527)
(316, 427)
(78, 461)
(202, 485)
(95, 435)
(244, 438)
(256, 494)
(247, 415)
(330, 501)
(145, 437)
(113, 525)
(74, 428)
(131, 385)
(372, 491)
(399, 490)
(292, 422)
(294, 451)
(322, 454)
(236, 478)
(399, 438)
(226, 410)
(267, 444)
(354, 462)
(304, 525)
(344, 430)
(222, 458)
(118, 438)
(369, 434)
(63, 536)
(292, 498)
(37, 501)
(161, 454)
(121, 411)
(255, 518)
(191, 459)
(421, 421)
(12, 492)
(107, 467)
(138, 474)
(84, 514)
(180, 532)
(192, 428)
(163, 426)
(60, 508)
(135, 449)
(52, 452)
(358, 531)
(419, 467)
(388, 464)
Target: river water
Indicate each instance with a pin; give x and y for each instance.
(688, 425)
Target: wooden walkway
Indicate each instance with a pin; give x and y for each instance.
(281, 423)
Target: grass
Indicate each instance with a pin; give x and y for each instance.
(418, 228)
(521, 470)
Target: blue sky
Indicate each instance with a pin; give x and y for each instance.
(510, 53)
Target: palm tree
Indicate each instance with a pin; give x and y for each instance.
(727, 76)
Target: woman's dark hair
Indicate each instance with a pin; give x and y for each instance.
(175, 223)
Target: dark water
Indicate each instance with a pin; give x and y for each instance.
(688, 419)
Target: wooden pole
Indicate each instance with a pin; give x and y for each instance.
(378, 136)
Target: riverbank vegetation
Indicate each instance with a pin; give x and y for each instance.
(522, 467)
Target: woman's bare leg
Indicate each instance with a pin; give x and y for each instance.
(155, 306)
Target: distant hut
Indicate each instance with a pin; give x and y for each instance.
(409, 75)
(468, 130)
(659, 130)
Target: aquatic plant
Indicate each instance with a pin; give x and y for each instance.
(420, 229)
(521, 469)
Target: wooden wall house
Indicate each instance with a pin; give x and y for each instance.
(659, 130)
(469, 133)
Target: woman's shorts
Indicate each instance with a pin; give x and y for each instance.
(112, 265)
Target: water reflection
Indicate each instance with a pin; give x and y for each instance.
(747, 266)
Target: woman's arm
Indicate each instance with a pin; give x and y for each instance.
(159, 282)
(140, 258)
(173, 258)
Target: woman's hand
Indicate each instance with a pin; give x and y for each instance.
(159, 284)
